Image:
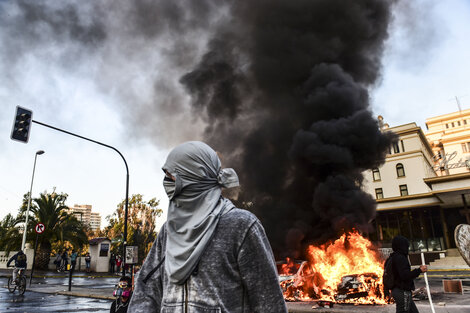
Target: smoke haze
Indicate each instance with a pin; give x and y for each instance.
(279, 88)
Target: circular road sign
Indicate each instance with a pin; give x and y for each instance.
(40, 228)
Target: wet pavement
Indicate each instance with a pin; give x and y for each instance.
(41, 302)
(93, 293)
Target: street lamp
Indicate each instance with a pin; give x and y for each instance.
(29, 201)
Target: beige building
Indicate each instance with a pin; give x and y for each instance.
(449, 136)
(84, 213)
(418, 195)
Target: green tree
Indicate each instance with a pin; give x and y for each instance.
(141, 225)
(61, 228)
(7, 228)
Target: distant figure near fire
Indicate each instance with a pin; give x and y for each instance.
(209, 255)
(404, 276)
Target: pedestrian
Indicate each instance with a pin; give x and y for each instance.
(58, 261)
(73, 259)
(118, 263)
(87, 262)
(123, 295)
(65, 259)
(112, 263)
(403, 282)
(209, 255)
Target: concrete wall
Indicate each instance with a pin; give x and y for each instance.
(4, 257)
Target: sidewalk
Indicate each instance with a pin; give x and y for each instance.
(77, 291)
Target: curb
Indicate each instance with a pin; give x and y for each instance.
(82, 295)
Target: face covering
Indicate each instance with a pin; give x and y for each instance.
(196, 204)
(169, 186)
(172, 188)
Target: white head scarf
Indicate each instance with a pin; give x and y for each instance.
(196, 204)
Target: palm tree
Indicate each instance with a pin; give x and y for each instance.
(60, 226)
(9, 233)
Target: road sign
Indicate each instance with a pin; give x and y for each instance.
(132, 254)
(39, 228)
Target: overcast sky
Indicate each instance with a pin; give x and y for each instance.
(426, 64)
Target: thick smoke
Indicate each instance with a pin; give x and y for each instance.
(279, 88)
(303, 128)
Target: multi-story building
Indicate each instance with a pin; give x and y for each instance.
(84, 213)
(422, 189)
(95, 221)
(449, 137)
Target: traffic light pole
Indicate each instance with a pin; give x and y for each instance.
(127, 182)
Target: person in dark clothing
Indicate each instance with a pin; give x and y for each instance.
(123, 294)
(403, 276)
(65, 259)
(20, 262)
(73, 259)
(112, 263)
(209, 256)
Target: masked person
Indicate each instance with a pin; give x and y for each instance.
(123, 294)
(403, 276)
(209, 256)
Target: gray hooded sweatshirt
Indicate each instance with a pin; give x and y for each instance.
(235, 271)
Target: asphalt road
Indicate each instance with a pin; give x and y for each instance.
(43, 302)
(40, 302)
(33, 301)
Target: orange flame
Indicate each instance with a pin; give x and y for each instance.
(347, 270)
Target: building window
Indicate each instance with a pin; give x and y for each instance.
(104, 249)
(403, 190)
(376, 174)
(400, 170)
(452, 124)
(464, 148)
(379, 193)
(447, 125)
(396, 149)
(402, 146)
(458, 123)
(465, 122)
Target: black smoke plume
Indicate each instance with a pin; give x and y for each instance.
(278, 87)
(283, 86)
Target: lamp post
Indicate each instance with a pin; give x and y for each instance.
(80, 258)
(29, 201)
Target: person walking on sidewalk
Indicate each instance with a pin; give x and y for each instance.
(73, 259)
(112, 263)
(209, 256)
(118, 264)
(20, 262)
(65, 259)
(403, 276)
(87, 262)
(57, 261)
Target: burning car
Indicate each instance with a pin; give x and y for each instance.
(347, 270)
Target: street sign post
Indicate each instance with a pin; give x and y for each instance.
(39, 228)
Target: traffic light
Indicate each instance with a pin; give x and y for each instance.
(22, 124)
